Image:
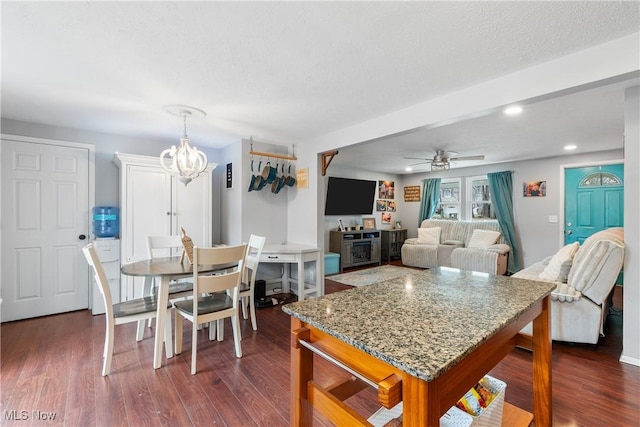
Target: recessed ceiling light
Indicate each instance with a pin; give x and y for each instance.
(408, 169)
(570, 147)
(512, 111)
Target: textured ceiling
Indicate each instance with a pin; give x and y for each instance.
(284, 72)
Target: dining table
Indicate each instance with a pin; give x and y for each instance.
(167, 269)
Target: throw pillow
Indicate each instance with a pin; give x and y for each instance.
(560, 264)
(483, 238)
(429, 236)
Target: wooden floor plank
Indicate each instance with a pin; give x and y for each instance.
(53, 364)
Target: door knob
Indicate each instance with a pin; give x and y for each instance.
(82, 237)
(569, 232)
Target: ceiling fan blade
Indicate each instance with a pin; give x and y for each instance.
(478, 157)
(420, 163)
(417, 158)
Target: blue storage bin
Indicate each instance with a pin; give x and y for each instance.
(331, 263)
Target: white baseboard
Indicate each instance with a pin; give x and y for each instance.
(630, 360)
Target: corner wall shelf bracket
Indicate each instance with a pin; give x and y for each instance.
(325, 164)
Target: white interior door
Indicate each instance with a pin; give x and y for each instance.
(45, 224)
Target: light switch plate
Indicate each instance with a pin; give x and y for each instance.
(553, 218)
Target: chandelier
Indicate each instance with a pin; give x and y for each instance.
(185, 162)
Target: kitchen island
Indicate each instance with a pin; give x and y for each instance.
(424, 339)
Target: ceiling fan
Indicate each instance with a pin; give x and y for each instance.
(442, 159)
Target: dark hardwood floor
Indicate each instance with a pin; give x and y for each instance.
(50, 376)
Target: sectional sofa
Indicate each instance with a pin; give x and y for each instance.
(468, 245)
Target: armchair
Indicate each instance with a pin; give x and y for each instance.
(580, 305)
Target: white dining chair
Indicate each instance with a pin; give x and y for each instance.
(249, 272)
(134, 310)
(166, 246)
(215, 297)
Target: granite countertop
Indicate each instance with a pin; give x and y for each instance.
(425, 322)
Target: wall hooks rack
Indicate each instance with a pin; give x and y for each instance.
(272, 155)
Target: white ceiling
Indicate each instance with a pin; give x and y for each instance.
(286, 72)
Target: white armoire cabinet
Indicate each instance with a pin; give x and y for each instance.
(155, 203)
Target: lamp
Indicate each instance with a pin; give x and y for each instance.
(440, 166)
(185, 162)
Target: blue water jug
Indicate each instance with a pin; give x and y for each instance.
(106, 221)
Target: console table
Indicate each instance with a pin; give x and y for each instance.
(294, 253)
(448, 352)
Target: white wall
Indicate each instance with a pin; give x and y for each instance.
(538, 237)
(631, 294)
(331, 221)
(231, 198)
(263, 212)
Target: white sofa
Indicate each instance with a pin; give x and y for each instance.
(580, 304)
(452, 249)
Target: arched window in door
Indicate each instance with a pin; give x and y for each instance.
(600, 179)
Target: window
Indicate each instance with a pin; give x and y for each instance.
(480, 199)
(600, 179)
(449, 200)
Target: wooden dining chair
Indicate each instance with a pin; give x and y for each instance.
(215, 297)
(249, 272)
(134, 310)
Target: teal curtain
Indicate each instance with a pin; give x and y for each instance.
(430, 196)
(501, 187)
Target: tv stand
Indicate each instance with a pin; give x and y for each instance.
(356, 248)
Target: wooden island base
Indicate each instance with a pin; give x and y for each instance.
(515, 417)
(425, 397)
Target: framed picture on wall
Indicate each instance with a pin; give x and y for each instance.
(391, 206)
(386, 190)
(534, 189)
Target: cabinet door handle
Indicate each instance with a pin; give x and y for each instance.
(169, 213)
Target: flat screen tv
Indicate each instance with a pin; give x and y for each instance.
(346, 196)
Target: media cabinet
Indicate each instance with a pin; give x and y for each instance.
(356, 248)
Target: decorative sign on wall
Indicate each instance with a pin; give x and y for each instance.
(412, 193)
(302, 178)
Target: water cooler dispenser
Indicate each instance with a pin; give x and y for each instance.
(106, 222)
(106, 227)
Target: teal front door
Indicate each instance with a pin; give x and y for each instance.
(594, 200)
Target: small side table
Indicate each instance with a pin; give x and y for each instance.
(392, 241)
